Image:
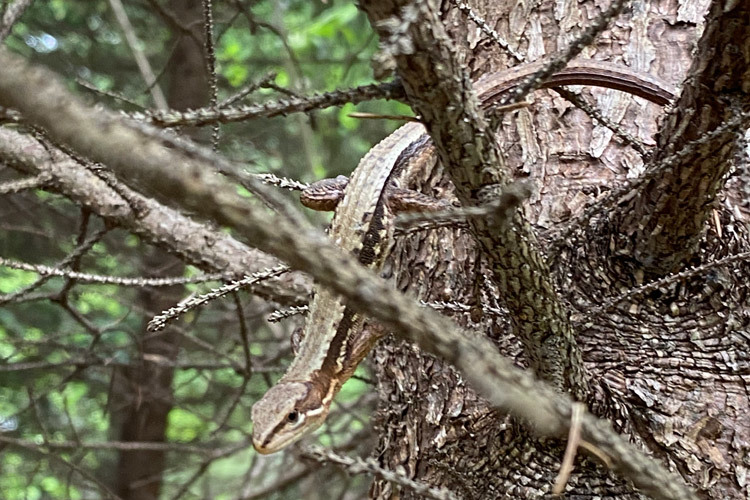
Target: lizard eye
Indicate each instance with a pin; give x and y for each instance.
(293, 416)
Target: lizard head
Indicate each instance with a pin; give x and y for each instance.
(288, 411)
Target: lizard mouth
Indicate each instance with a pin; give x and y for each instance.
(262, 449)
(268, 446)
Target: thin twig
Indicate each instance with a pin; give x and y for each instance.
(207, 116)
(13, 13)
(140, 58)
(110, 445)
(36, 448)
(570, 96)
(98, 279)
(192, 183)
(668, 280)
(617, 196)
(370, 466)
(80, 250)
(213, 86)
(559, 60)
(248, 89)
(16, 186)
(161, 320)
(574, 439)
(280, 314)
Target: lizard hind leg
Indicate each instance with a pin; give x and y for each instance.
(365, 340)
(401, 200)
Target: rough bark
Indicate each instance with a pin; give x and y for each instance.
(441, 93)
(664, 223)
(669, 368)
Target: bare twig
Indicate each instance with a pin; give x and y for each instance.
(174, 22)
(574, 439)
(208, 36)
(738, 123)
(140, 58)
(111, 445)
(572, 97)
(280, 314)
(370, 466)
(13, 13)
(196, 243)
(111, 280)
(92, 361)
(38, 449)
(282, 182)
(81, 249)
(667, 281)
(161, 320)
(16, 186)
(207, 116)
(494, 35)
(248, 89)
(108, 93)
(558, 61)
(374, 116)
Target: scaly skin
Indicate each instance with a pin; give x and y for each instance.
(333, 343)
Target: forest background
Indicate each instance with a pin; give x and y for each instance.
(94, 405)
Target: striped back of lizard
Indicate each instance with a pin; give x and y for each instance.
(332, 345)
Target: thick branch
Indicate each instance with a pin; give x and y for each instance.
(440, 90)
(193, 185)
(666, 220)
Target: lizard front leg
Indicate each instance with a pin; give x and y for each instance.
(325, 195)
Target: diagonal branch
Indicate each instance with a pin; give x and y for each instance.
(197, 243)
(192, 184)
(140, 58)
(204, 116)
(13, 13)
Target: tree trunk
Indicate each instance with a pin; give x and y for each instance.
(143, 391)
(668, 367)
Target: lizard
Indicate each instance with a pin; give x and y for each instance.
(335, 339)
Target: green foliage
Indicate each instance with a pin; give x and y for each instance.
(184, 426)
(12, 280)
(313, 48)
(65, 350)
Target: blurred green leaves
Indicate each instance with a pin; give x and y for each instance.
(311, 47)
